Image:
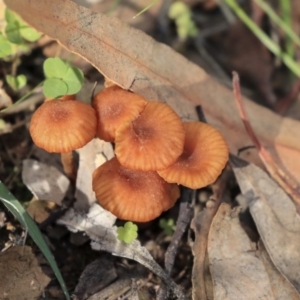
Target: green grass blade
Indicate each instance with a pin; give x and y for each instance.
(264, 38)
(285, 24)
(15, 207)
(286, 11)
(22, 99)
(145, 9)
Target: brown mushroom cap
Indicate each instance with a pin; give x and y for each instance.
(114, 106)
(204, 157)
(63, 125)
(152, 141)
(133, 195)
(65, 97)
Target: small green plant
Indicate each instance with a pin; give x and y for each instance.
(16, 82)
(181, 14)
(61, 78)
(16, 33)
(168, 226)
(128, 232)
(13, 39)
(16, 30)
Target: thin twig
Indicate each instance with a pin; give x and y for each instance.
(184, 219)
(281, 177)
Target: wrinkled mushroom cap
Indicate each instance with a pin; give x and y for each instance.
(114, 106)
(133, 195)
(203, 159)
(153, 141)
(63, 125)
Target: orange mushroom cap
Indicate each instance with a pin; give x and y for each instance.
(114, 106)
(63, 125)
(153, 141)
(204, 157)
(133, 195)
(65, 97)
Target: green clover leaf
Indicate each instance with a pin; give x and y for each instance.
(55, 67)
(73, 79)
(54, 88)
(128, 233)
(66, 80)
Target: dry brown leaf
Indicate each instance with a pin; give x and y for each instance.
(281, 288)
(236, 269)
(275, 216)
(127, 10)
(135, 61)
(96, 276)
(20, 274)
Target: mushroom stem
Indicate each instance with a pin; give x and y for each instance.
(69, 165)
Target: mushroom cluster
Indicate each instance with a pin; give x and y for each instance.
(155, 151)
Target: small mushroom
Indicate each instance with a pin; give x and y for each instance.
(63, 125)
(204, 156)
(153, 141)
(138, 196)
(114, 106)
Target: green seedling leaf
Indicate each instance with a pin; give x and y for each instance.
(16, 29)
(5, 47)
(128, 233)
(167, 225)
(74, 79)
(11, 17)
(29, 33)
(55, 67)
(182, 17)
(16, 83)
(54, 87)
(15, 207)
(12, 31)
